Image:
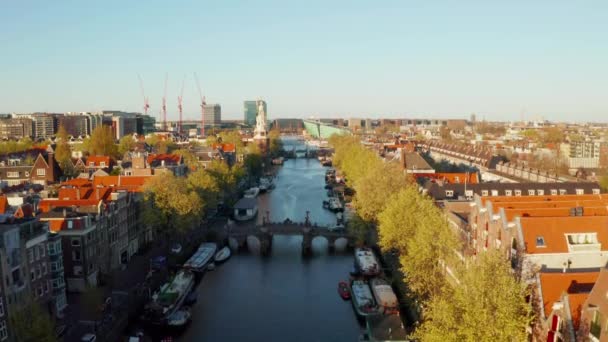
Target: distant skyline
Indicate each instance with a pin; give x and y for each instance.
(437, 59)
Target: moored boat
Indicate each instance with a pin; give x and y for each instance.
(251, 193)
(343, 290)
(362, 299)
(223, 254)
(199, 260)
(179, 318)
(366, 262)
(385, 296)
(335, 204)
(170, 297)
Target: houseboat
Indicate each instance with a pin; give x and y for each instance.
(170, 297)
(366, 262)
(362, 299)
(266, 184)
(203, 255)
(385, 296)
(335, 204)
(245, 209)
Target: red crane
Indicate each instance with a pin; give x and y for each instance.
(202, 106)
(143, 95)
(165, 104)
(180, 107)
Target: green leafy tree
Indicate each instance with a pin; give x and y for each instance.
(276, 145)
(171, 205)
(63, 152)
(488, 304)
(189, 158)
(359, 229)
(101, 142)
(125, 144)
(374, 190)
(206, 186)
(30, 323)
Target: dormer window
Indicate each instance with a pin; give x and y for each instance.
(553, 192)
(494, 192)
(508, 193)
(449, 193)
(596, 191)
(531, 192)
(517, 192)
(583, 242)
(540, 192)
(562, 191)
(484, 192)
(92, 164)
(580, 191)
(540, 241)
(102, 164)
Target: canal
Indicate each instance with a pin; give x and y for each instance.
(283, 297)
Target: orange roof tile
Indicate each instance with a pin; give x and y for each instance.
(173, 158)
(553, 230)
(576, 285)
(98, 160)
(3, 204)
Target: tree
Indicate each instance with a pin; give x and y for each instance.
(276, 145)
(189, 158)
(359, 229)
(206, 186)
(553, 135)
(63, 152)
(31, 323)
(101, 142)
(374, 190)
(125, 144)
(488, 304)
(171, 204)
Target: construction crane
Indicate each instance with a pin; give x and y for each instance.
(165, 104)
(143, 95)
(180, 107)
(200, 92)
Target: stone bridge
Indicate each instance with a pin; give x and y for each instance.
(308, 231)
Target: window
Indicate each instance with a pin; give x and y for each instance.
(30, 255)
(540, 241)
(46, 287)
(596, 325)
(553, 192)
(27, 174)
(1, 307)
(540, 192)
(102, 164)
(91, 164)
(582, 239)
(3, 331)
(12, 174)
(562, 191)
(494, 192)
(76, 242)
(596, 191)
(517, 192)
(42, 251)
(469, 193)
(580, 191)
(41, 172)
(40, 291)
(38, 271)
(70, 224)
(36, 253)
(44, 268)
(77, 270)
(531, 192)
(76, 255)
(508, 193)
(484, 192)
(449, 193)
(32, 275)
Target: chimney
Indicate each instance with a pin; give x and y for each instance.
(97, 193)
(50, 174)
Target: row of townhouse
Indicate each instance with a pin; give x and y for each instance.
(31, 265)
(521, 171)
(99, 222)
(560, 246)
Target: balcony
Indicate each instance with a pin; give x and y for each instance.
(585, 247)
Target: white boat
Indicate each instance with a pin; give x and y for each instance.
(199, 260)
(172, 294)
(252, 193)
(223, 254)
(366, 261)
(335, 204)
(385, 296)
(211, 266)
(179, 318)
(265, 184)
(362, 299)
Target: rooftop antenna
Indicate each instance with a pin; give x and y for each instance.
(203, 103)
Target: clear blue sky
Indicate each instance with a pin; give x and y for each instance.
(498, 59)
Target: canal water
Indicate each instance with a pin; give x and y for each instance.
(283, 297)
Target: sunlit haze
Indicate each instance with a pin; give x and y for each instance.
(448, 59)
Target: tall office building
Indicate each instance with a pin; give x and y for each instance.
(250, 109)
(213, 115)
(45, 125)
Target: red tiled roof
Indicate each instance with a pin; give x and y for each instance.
(3, 204)
(553, 230)
(449, 177)
(576, 285)
(228, 148)
(97, 160)
(168, 158)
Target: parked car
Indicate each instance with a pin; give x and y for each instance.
(176, 248)
(88, 338)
